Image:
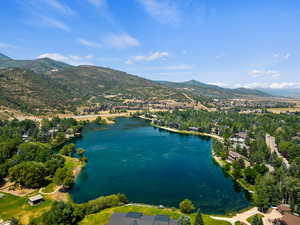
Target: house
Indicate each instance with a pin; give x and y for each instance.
(239, 137)
(283, 209)
(134, 218)
(232, 156)
(288, 219)
(34, 200)
(193, 129)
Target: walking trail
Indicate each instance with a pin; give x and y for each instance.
(242, 217)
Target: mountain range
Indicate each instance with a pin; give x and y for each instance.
(43, 85)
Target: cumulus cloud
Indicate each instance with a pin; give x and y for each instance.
(70, 59)
(164, 11)
(151, 57)
(122, 40)
(261, 73)
(89, 43)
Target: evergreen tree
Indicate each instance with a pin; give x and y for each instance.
(198, 218)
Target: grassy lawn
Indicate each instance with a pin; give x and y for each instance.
(71, 163)
(50, 188)
(251, 217)
(12, 206)
(103, 217)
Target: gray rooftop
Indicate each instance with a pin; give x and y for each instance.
(35, 198)
(133, 218)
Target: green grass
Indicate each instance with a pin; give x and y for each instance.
(18, 207)
(251, 217)
(50, 188)
(72, 163)
(238, 223)
(103, 217)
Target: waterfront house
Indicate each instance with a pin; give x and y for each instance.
(34, 200)
(288, 219)
(193, 129)
(283, 209)
(134, 218)
(232, 156)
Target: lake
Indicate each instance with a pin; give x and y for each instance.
(154, 166)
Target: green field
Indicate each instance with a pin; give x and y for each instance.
(18, 207)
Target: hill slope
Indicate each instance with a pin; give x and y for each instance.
(198, 88)
(43, 65)
(27, 91)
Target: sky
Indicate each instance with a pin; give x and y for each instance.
(231, 43)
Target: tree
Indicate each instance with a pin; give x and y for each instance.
(34, 151)
(123, 198)
(14, 221)
(68, 150)
(186, 206)
(64, 176)
(28, 174)
(63, 214)
(184, 220)
(257, 220)
(198, 218)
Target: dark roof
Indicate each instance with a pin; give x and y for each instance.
(134, 215)
(133, 218)
(162, 218)
(290, 219)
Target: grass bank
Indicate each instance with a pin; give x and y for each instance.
(188, 132)
(103, 217)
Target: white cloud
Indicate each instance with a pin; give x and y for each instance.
(151, 57)
(274, 85)
(6, 46)
(89, 43)
(97, 3)
(120, 41)
(281, 56)
(51, 22)
(163, 11)
(58, 6)
(70, 59)
(261, 73)
(179, 67)
(221, 55)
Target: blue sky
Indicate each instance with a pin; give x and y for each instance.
(232, 43)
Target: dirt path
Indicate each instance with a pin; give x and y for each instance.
(242, 217)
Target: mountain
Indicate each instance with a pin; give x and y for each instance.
(43, 65)
(46, 85)
(213, 91)
(24, 90)
(293, 92)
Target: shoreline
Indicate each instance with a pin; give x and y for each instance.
(218, 160)
(186, 131)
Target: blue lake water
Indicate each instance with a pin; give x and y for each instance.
(153, 166)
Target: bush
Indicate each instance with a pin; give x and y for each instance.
(63, 214)
(101, 203)
(186, 206)
(28, 174)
